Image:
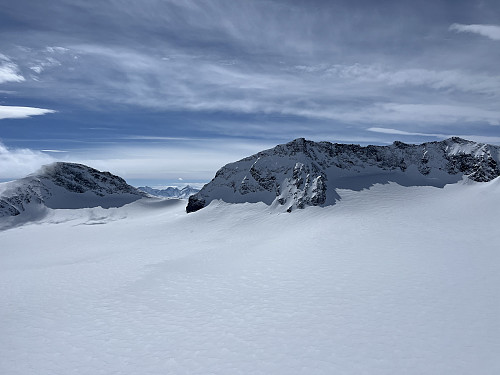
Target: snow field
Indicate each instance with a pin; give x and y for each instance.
(389, 280)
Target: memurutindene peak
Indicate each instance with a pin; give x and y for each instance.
(305, 173)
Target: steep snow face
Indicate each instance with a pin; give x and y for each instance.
(170, 192)
(64, 185)
(305, 173)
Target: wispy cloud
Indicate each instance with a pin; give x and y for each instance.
(178, 71)
(195, 160)
(402, 132)
(471, 137)
(489, 31)
(22, 112)
(159, 138)
(341, 92)
(19, 162)
(259, 58)
(432, 113)
(455, 80)
(27, 64)
(376, 113)
(9, 72)
(191, 160)
(252, 58)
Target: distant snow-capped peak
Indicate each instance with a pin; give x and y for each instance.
(170, 192)
(302, 172)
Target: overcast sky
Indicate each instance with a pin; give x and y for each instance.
(163, 91)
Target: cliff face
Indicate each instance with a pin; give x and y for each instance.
(302, 173)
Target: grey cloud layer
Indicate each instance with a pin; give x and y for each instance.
(339, 62)
(347, 93)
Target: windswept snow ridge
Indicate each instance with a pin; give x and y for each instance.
(305, 173)
(64, 185)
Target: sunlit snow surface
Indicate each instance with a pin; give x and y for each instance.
(390, 280)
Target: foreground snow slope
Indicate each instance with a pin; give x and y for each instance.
(390, 280)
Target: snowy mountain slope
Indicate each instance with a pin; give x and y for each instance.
(390, 280)
(63, 185)
(305, 173)
(170, 192)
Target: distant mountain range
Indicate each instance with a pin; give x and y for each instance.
(170, 192)
(305, 173)
(294, 175)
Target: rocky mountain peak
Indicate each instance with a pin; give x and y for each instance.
(301, 172)
(65, 185)
(80, 178)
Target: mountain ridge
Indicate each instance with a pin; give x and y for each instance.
(65, 185)
(305, 173)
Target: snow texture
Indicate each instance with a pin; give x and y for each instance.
(400, 276)
(390, 280)
(305, 173)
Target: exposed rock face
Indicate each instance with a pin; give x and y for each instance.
(305, 173)
(80, 178)
(65, 185)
